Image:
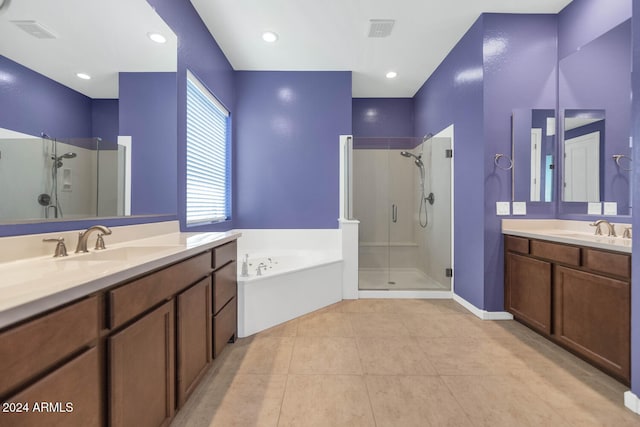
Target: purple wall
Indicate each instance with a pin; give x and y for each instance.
(585, 20)
(288, 124)
(454, 95)
(148, 115)
(382, 117)
(198, 52)
(32, 103)
(520, 62)
(597, 77)
(635, 268)
(105, 122)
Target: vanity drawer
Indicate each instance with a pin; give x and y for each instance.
(516, 244)
(225, 253)
(33, 347)
(607, 262)
(224, 326)
(134, 298)
(224, 286)
(556, 252)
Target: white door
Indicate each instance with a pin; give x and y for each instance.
(582, 168)
(536, 143)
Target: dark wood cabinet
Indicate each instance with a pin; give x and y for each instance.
(592, 317)
(129, 355)
(528, 296)
(194, 337)
(577, 297)
(70, 396)
(141, 386)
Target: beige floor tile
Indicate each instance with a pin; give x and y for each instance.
(470, 356)
(435, 325)
(327, 324)
(261, 355)
(393, 356)
(287, 329)
(326, 401)
(449, 306)
(325, 355)
(496, 401)
(581, 401)
(378, 325)
(367, 306)
(413, 401)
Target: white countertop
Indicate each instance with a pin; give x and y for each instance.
(570, 232)
(32, 285)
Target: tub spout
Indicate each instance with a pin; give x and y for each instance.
(245, 266)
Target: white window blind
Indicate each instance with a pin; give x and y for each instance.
(208, 198)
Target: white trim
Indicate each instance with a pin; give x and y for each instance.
(405, 294)
(208, 93)
(482, 314)
(126, 141)
(632, 401)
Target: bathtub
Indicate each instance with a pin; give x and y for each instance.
(294, 282)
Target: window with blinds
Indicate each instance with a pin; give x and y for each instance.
(208, 159)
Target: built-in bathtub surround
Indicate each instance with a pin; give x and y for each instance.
(303, 271)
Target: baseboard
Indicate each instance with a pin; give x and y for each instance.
(632, 402)
(406, 294)
(482, 314)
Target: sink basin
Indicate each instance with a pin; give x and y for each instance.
(125, 253)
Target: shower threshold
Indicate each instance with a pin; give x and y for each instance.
(402, 279)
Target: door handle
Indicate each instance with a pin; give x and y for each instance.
(394, 213)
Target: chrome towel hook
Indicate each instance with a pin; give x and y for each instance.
(503, 165)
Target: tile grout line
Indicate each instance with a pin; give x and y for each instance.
(362, 375)
(286, 382)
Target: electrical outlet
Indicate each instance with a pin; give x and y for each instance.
(610, 208)
(594, 208)
(503, 208)
(519, 208)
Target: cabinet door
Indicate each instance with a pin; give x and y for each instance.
(194, 336)
(528, 291)
(142, 371)
(69, 396)
(592, 317)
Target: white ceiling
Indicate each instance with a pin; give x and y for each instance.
(332, 35)
(97, 37)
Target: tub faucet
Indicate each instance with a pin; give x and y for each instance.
(259, 269)
(84, 236)
(612, 229)
(245, 266)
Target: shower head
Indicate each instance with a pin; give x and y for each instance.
(419, 163)
(408, 154)
(67, 156)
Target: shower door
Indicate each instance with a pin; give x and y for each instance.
(402, 245)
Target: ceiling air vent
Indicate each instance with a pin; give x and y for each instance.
(380, 27)
(35, 29)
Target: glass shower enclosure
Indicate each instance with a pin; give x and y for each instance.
(402, 198)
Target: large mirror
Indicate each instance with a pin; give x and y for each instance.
(65, 139)
(595, 103)
(534, 154)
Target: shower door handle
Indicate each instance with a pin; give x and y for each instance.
(394, 213)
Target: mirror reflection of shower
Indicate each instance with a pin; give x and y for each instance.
(422, 212)
(51, 201)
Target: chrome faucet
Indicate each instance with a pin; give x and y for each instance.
(61, 249)
(612, 229)
(84, 236)
(627, 233)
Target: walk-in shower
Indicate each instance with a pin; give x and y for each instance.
(404, 242)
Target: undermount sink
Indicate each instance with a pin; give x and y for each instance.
(119, 254)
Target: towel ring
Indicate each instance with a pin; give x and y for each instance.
(629, 161)
(503, 166)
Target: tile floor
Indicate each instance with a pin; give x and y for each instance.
(402, 363)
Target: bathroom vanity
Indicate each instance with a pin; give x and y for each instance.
(130, 353)
(576, 294)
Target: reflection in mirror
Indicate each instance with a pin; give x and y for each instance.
(594, 95)
(534, 148)
(40, 93)
(584, 136)
(52, 179)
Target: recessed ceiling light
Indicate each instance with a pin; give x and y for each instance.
(392, 75)
(269, 36)
(158, 38)
(83, 76)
